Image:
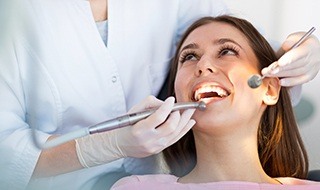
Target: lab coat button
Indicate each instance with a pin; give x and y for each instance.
(114, 79)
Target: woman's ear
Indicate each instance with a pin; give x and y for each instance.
(272, 92)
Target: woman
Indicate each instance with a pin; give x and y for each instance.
(246, 138)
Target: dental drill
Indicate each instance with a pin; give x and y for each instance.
(255, 80)
(133, 118)
(116, 123)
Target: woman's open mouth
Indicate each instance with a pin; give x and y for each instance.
(208, 92)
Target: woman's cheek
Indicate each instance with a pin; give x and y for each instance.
(177, 90)
(180, 87)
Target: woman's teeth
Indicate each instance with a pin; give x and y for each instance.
(210, 92)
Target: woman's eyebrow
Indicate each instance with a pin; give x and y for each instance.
(225, 40)
(190, 46)
(218, 41)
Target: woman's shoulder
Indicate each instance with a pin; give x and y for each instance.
(163, 181)
(153, 177)
(296, 181)
(132, 181)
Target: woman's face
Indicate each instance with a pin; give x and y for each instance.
(215, 62)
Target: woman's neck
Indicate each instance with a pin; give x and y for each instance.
(227, 159)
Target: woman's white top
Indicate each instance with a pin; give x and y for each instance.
(57, 75)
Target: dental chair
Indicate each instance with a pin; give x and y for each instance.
(314, 175)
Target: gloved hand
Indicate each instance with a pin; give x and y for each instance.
(147, 137)
(298, 65)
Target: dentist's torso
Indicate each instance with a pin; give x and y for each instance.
(71, 80)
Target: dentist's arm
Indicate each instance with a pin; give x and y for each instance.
(147, 137)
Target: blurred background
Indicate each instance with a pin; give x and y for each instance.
(276, 20)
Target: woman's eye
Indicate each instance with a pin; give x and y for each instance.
(190, 57)
(227, 52)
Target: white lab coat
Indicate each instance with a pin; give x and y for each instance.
(58, 76)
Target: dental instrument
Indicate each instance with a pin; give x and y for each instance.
(133, 118)
(116, 123)
(255, 80)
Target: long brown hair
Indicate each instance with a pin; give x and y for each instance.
(280, 147)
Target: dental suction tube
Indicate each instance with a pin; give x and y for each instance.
(116, 123)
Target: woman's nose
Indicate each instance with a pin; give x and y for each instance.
(205, 67)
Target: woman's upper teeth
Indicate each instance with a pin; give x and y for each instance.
(210, 91)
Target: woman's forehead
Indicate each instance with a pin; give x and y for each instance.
(213, 31)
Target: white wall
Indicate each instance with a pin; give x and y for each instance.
(276, 19)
